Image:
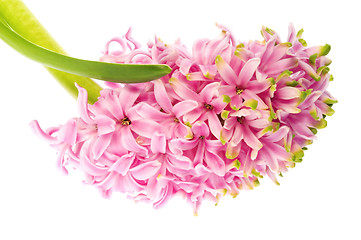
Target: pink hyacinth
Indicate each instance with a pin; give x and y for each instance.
(229, 113)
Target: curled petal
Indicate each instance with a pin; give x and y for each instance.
(180, 162)
(184, 107)
(146, 170)
(83, 105)
(37, 129)
(123, 164)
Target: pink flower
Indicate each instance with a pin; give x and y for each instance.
(202, 149)
(228, 114)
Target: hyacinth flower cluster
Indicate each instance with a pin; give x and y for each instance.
(228, 114)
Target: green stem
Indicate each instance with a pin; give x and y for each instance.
(19, 17)
(113, 72)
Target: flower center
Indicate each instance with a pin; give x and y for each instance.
(125, 121)
(201, 137)
(176, 120)
(240, 119)
(239, 90)
(208, 106)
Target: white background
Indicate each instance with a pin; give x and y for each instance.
(319, 199)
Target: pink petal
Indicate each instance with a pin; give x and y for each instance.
(129, 143)
(215, 163)
(38, 131)
(310, 99)
(209, 91)
(278, 52)
(193, 115)
(215, 47)
(128, 95)
(238, 134)
(113, 105)
(268, 50)
(209, 71)
(158, 143)
(161, 96)
(101, 144)
(214, 124)
(302, 130)
(288, 93)
(146, 127)
(251, 139)
(180, 162)
(230, 123)
(90, 168)
(183, 91)
(123, 164)
(271, 160)
(249, 95)
(225, 135)
(199, 154)
(188, 187)
(258, 86)
(83, 105)
(104, 124)
(200, 129)
(228, 90)
(291, 33)
(247, 72)
(198, 48)
(149, 112)
(68, 132)
(127, 184)
(184, 144)
(232, 150)
(226, 72)
(259, 123)
(218, 104)
(185, 65)
(116, 147)
(278, 135)
(184, 107)
(214, 146)
(145, 170)
(281, 65)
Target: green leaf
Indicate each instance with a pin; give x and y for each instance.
(113, 72)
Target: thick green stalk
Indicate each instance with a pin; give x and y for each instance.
(25, 24)
(113, 72)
